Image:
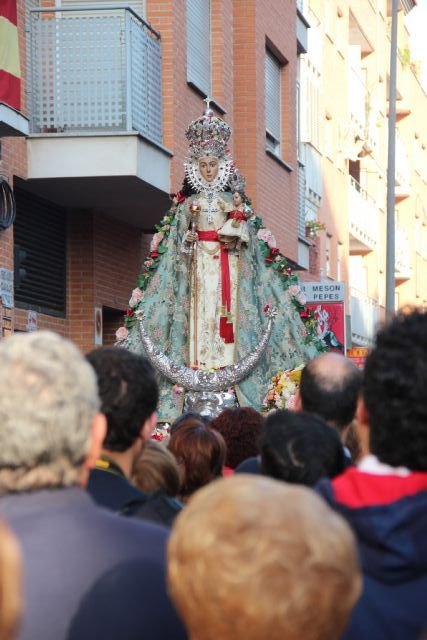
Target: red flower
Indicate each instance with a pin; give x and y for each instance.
(288, 271)
(274, 251)
(154, 254)
(266, 308)
(270, 259)
(130, 313)
(305, 313)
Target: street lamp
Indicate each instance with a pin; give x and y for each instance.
(391, 170)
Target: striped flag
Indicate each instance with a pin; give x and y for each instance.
(10, 72)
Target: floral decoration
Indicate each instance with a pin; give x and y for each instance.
(283, 390)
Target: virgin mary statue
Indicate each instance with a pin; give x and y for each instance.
(212, 274)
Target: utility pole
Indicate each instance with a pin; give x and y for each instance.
(391, 171)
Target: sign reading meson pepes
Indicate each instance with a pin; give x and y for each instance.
(323, 291)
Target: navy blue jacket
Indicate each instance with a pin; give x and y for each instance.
(89, 573)
(110, 488)
(388, 514)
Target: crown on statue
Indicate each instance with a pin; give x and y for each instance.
(208, 136)
(236, 181)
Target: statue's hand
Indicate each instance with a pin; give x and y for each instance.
(191, 237)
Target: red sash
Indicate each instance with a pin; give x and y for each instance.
(225, 323)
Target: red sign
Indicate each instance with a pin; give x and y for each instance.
(358, 355)
(330, 318)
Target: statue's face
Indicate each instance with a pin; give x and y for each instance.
(208, 167)
(237, 199)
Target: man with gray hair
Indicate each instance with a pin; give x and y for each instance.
(88, 573)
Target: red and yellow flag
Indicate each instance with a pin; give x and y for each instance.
(10, 72)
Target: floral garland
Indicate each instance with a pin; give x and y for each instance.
(282, 393)
(274, 259)
(272, 256)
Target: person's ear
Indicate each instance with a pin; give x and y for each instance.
(148, 427)
(297, 404)
(98, 433)
(362, 426)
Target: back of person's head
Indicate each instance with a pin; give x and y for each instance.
(272, 558)
(129, 394)
(329, 387)
(156, 470)
(300, 448)
(189, 417)
(200, 452)
(10, 584)
(394, 392)
(46, 413)
(241, 429)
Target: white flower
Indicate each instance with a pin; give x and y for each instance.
(121, 334)
(300, 297)
(136, 297)
(267, 236)
(156, 240)
(294, 290)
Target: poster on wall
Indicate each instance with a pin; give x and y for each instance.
(327, 301)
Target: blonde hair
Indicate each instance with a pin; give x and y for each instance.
(157, 470)
(251, 557)
(46, 409)
(10, 584)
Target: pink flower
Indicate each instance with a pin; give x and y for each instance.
(121, 334)
(300, 297)
(294, 290)
(177, 389)
(267, 236)
(136, 297)
(156, 240)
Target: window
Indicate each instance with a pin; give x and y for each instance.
(199, 45)
(40, 234)
(273, 111)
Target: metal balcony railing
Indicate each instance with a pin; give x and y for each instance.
(403, 270)
(358, 97)
(364, 317)
(363, 215)
(94, 68)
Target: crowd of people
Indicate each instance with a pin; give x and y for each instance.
(303, 524)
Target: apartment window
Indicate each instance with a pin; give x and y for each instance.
(199, 45)
(273, 110)
(40, 232)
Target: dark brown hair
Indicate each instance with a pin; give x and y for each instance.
(241, 430)
(200, 452)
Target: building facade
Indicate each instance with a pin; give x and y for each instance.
(106, 95)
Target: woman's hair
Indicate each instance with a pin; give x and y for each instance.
(200, 452)
(241, 430)
(190, 417)
(156, 470)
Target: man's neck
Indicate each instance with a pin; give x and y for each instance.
(123, 459)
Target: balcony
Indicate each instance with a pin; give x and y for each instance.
(403, 269)
(357, 95)
(363, 220)
(96, 110)
(402, 186)
(365, 315)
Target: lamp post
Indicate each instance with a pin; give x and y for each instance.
(391, 170)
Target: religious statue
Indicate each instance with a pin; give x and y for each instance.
(212, 274)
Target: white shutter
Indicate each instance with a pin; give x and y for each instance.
(199, 45)
(273, 102)
(137, 5)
